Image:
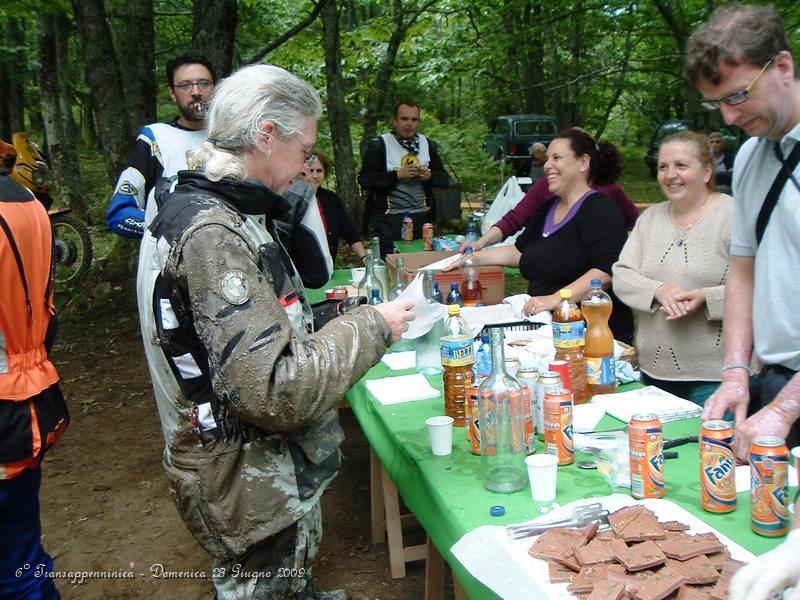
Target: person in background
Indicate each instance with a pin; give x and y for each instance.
(575, 236)
(723, 162)
(539, 194)
(672, 272)
(33, 414)
(742, 64)
(399, 171)
(160, 149)
(247, 396)
(533, 167)
(335, 218)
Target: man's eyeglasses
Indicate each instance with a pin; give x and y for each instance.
(736, 97)
(308, 153)
(202, 84)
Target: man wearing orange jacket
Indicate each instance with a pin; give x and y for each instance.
(33, 413)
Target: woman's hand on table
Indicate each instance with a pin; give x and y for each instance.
(539, 304)
(771, 572)
(397, 314)
(691, 302)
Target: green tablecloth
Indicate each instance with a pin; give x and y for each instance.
(446, 494)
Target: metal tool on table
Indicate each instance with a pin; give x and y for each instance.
(580, 517)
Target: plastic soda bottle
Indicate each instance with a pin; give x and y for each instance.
(376, 297)
(599, 349)
(472, 229)
(437, 293)
(471, 290)
(568, 339)
(454, 297)
(457, 360)
(483, 359)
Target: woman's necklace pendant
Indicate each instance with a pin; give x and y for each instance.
(680, 242)
(545, 234)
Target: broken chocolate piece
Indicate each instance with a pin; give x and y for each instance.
(696, 571)
(596, 551)
(674, 526)
(559, 573)
(659, 585)
(687, 592)
(640, 556)
(608, 591)
(586, 580)
(681, 546)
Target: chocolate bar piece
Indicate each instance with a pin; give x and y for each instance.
(556, 543)
(681, 546)
(607, 591)
(720, 591)
(636, 524)
(659, 585)
(687, 592)
(596, 551)
(588, 578)
(718, 559)
(674, 526)
(696, 571)
(559, 573)
(640, 556)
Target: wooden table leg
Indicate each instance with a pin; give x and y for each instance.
(461, 594)
(434, 573)
(377, 513)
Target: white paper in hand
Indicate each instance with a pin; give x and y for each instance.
(426, 313)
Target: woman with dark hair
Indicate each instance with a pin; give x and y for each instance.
(334, 216)
(574, 237)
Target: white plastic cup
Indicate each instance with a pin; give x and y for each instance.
(440, 430)
(542, 471)
(796, 456)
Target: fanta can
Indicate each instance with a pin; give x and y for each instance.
(769, 494)
(558, 425)
(646, 441)
(717, 464)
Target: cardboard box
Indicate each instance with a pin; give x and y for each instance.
(492, 278)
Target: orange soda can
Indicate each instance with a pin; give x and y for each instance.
(427, 236)
(769, 495)
(487, 427)
(646, 441)
(717, 463)
(473, 421)
(516, 408)
(558, 425)
(527, 378)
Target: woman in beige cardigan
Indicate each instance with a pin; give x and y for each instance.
(672, 272)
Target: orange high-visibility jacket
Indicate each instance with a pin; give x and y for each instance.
(26, 309)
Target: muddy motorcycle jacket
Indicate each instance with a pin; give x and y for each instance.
(32, 410)
(245, 394)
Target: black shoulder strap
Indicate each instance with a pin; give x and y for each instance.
(787, 167)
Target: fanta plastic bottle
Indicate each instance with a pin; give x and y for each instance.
(599, 348)
(568, 339)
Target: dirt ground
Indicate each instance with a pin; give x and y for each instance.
(104, 500)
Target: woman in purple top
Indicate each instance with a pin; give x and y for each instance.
(575, 236)
(537, 195)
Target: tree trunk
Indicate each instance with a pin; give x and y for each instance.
(339, 115)
(13, 73)
(105, 82)
(134, 28)
(60, 128)
(214, 30)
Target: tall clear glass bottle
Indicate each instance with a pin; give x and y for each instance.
(429, 359)
(502, 425)
(399, 278)
(370, 281)
(381, 272)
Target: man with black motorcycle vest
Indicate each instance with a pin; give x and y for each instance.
(33, 413)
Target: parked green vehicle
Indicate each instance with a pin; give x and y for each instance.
(512, 135)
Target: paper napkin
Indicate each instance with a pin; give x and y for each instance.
(396, 390)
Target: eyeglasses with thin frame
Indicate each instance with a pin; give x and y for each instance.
(310, 157)
(739, 97)
(202, 84)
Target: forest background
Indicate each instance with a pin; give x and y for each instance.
(83, 75)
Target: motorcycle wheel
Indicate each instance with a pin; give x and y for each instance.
(73, 248)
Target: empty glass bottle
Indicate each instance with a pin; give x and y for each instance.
(502, 425)
(399, 278)
(370, 281)
(429, 359)
(381, 272)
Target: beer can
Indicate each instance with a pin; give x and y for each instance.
(558, 425)
(562, 368)
(769, 494)
(427, 236)
(407, 230)
(717, 464)
(473, 421)
(646, 441)
(548, 379)
(528, 378)
(512, 365)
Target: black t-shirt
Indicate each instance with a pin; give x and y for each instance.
(592, 239)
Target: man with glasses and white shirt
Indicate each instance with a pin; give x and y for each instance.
(742, 64)
(160, 149)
